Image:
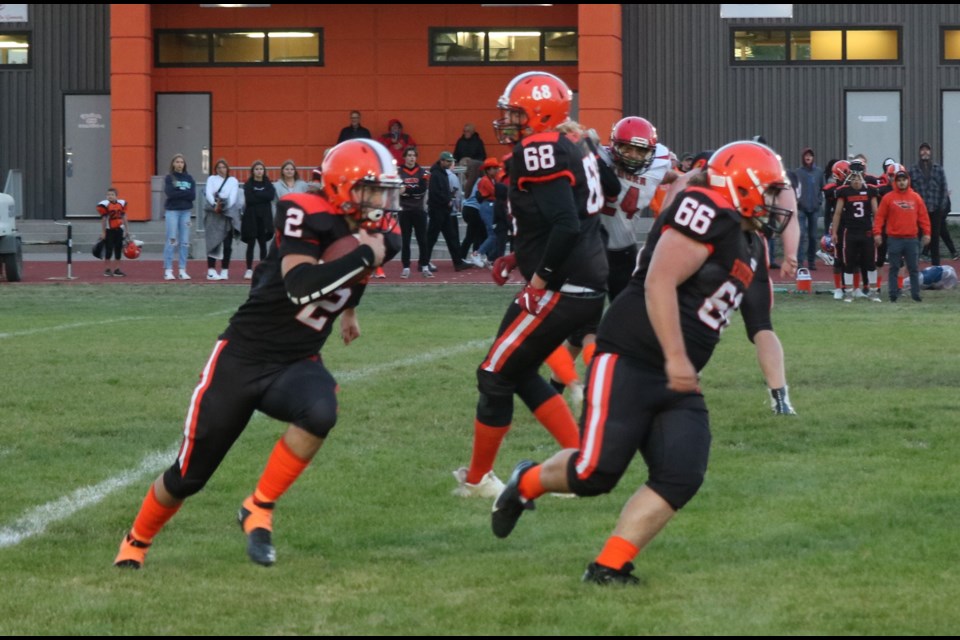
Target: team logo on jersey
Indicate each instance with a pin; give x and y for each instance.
(742, 272)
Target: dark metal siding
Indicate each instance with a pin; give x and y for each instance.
(70, 53)
(678, 74)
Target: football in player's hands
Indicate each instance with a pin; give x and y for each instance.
(341, 247)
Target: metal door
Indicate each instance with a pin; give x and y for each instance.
(86, 152)
(873, 126)
(183, 126)
(950, 151)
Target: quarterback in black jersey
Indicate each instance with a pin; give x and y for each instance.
(643, 391)
(555, 196)
(268, 358)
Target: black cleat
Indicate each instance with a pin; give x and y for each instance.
(510, 505)
(780, 402)
(259, 543)
(599, 574)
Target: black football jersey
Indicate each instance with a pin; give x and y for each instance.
(707, 299)
(269, 326)
(546, 157)
(857, 213)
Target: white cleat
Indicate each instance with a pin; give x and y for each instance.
(838, 294)
(489, 486)
(248, 274)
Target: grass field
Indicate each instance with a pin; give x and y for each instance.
(843, 520)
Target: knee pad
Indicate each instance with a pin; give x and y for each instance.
(320, 418)
(597, 483)
(677, 488)
(181, 487)
(495, 405)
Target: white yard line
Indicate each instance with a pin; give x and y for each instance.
(36, 521)
(64, 327)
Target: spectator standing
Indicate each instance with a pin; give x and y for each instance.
(809, 202)
(928, 179)
(289, 181)
(413, 219)
(256, 225)
(354, 129)
(469, 145)
(901, 214)
(396, 141)
(113, 224)
(221, 217)
(180, 190)
(440, 211)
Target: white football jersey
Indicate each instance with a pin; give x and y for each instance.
(636, 192)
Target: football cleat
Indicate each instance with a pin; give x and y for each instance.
(489, 486)
(510, 505)
(838, 294)
(256, 520)
(132, 553)
(780, 402)
(600, 574)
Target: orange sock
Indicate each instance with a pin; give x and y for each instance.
(562, 365)
(617, 552)
(555, 416)
(879, 280)
(856, 281)
(587, 353)
(530, 486)
(837, 281)
(283, 468)
(151, 517)
(486, 444)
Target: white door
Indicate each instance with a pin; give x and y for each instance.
(873, 127)
(950, 151)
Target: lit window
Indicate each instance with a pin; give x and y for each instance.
(809, 46)
(14, 49)
(951, 44)
(522, 45)
(872, 45)
(239, 48)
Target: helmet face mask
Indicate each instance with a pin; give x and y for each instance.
(533, 102)
(372, 200)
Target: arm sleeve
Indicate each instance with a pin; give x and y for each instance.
(881, 218)
(308, 282)
(555, 201)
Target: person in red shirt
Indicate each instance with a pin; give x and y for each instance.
(902, 212)
(113, 225)
(395, 140)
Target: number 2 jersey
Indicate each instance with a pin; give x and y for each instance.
(707, 299)
(269, 326)
(540, 159)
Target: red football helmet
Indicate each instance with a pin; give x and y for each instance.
(750, 176)
(533, 102)
(841, 171)
(360, 179)
(633, 142)
(131, 249)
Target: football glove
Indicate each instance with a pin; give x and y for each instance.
(531, 299)
(502, 267)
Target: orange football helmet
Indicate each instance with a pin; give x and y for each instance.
(533, 102)
(360, 179)
(750, 176)
(131, 249)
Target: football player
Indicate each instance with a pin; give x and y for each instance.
(696, 265)
(268, 357)
(853, 221)
(555, 196)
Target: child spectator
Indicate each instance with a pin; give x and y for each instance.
(113, 225)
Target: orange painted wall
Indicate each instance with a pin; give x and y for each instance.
(375, 61)
(131, 100)
(601, 66)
